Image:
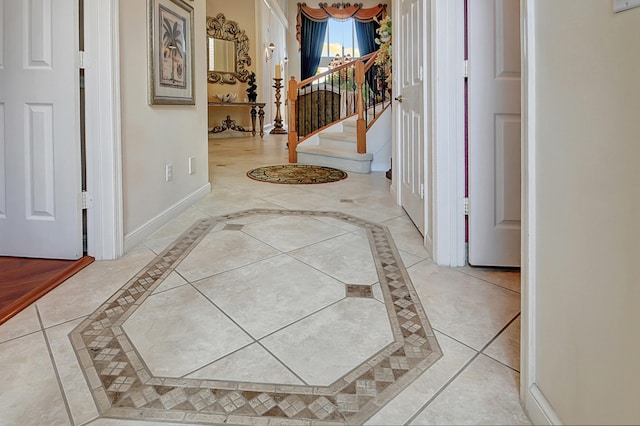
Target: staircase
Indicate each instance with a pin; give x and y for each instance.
(332, 113)
(337, 149)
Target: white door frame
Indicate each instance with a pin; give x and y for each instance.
(536, 404)
(103, 130)
(447, 73)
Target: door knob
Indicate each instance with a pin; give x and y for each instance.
(398, 98)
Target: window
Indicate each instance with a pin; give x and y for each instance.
(340, 40)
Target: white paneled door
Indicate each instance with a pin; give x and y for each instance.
(410, 130)
(494, 132)
(40, 163)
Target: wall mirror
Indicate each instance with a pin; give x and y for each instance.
(227, 51)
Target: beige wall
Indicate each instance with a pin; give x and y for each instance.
(588, 210)
(154, 135)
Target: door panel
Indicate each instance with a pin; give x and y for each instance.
(40, 211)
(410, 137)
(494, 132)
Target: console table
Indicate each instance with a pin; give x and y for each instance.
(257, 109)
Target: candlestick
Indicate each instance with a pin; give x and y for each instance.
(278, 127)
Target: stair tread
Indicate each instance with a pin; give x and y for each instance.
(346, 137)
(333, 152)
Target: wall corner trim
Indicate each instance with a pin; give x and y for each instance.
(539, 409)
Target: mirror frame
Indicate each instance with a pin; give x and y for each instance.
(218, 27)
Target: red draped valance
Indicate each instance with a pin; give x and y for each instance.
(340, 11)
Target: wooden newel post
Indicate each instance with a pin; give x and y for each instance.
(361, 124)
(292, 143)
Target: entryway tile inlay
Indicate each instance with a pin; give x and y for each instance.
(129, 380)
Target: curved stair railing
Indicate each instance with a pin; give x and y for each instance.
(357, 88)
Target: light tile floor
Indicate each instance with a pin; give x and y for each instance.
(296, 328)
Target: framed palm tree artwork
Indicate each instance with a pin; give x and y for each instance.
(170, 48)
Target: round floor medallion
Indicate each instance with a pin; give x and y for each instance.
(296, 174)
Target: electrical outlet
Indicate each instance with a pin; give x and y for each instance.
(168, 172)
(192, 165)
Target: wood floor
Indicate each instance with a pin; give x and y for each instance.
(24, 280)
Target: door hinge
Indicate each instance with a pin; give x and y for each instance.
(466, 206)
(82, 60)
(87, 200)
(422, 190)
(465, 69)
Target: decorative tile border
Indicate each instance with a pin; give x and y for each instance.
(123, 387)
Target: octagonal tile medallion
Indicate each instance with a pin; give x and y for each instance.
(124, 386)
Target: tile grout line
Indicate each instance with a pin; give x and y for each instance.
(20, 336)
(442, 389)
(344, 232)
(55, 367)
(283, 364)
(291, 256)
(464, 367)
(496, 337)
(258, 340)
(487, 281)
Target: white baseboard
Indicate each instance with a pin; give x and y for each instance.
(539, 409)
(137, 236)
(394, 192)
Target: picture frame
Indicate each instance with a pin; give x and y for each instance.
(170, 48)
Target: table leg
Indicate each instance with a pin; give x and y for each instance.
(261, 115)
(253, 121)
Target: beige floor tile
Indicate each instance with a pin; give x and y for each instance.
(271, 294)
(463, 307)
(75, 386)
(222, 251)
(377, 292)
(173, 280)
(409, 259)
(224, 201)
(338, 223)
(326, 345)
(122, 422)
(406, 236)
(250, 364)
(288, 233)
(255, 189)
(356, 186)
(506, 348)
(485, 393)
(347, 258)
(23, 323)
(29, 390)
(159, 240)
(397, 412)
(376, 208)
(85, 291)
(179, 331)
(301, 201)
(504, 277)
